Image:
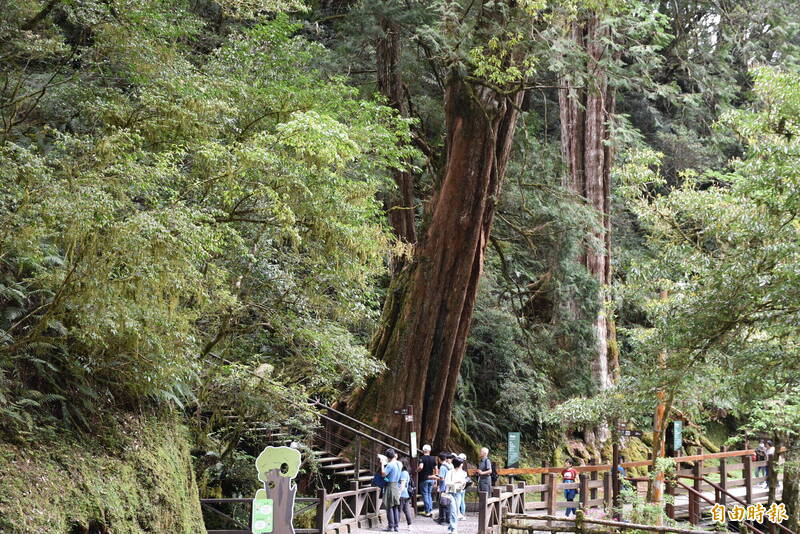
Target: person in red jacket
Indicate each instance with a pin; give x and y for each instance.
(570, 476)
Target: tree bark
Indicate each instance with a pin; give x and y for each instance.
(791, 486)
(423, 331)
(585, 113)
(399, 204)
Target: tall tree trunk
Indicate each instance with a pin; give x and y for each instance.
(585, 114)
(791, 486)
(423, 331)
(400, 203)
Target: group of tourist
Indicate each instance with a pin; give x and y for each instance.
(443, 477)
(764, 452)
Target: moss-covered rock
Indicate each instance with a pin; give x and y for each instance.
(136, 479)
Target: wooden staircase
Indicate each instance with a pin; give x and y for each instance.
(342, 450)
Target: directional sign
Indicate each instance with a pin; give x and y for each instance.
(675, 436)
(413, 442)
(262, 516)
(513, 449)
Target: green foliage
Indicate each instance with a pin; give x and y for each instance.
(499, 390)
(724, 247)
(163, 200)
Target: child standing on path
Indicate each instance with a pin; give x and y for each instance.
(570, 475)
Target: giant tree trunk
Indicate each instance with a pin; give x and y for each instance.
(400, 203)
(585, 115)
(423, 331)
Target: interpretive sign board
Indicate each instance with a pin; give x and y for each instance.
(273, 506)
(513, 449)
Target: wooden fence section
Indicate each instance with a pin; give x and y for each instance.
(346, 511)
(334, 513)
(531, 524)
(693, 494)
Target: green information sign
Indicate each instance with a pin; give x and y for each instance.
(513, 449)
(262, 516)
(677, 435)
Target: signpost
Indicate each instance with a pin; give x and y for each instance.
(262, 516)
(513, 449)
(413, 442)
(273, 505)
(674, 437)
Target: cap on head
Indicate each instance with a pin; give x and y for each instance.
(426, 448)
(463, 457)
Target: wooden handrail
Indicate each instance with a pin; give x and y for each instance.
(607, 467)
(694, 492)
(616, 524)
(740, 501)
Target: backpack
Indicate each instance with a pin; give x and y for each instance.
(378, 480)
(495, 476)
(761, 455)
(412, 488)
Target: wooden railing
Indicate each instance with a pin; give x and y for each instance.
(492, 508)
(530, 524)
(346, 510)
(302, 504)
(595, 491)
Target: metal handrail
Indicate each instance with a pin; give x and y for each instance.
(362, 423)
(363, 435)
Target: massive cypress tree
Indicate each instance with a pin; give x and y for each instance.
(426, 317)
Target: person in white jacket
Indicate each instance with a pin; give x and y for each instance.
(455, 482)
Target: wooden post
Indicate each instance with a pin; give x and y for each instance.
(551, 495)
(670, 490)
(607, 492)
(543, 481)
(355, 504)
(747, 473)
(483, 512)
(583, 488)
(593, 478)
(495, 529)
(521, 486)
(723, 478)
(320, 520)
(698, 472)
(357, 466)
